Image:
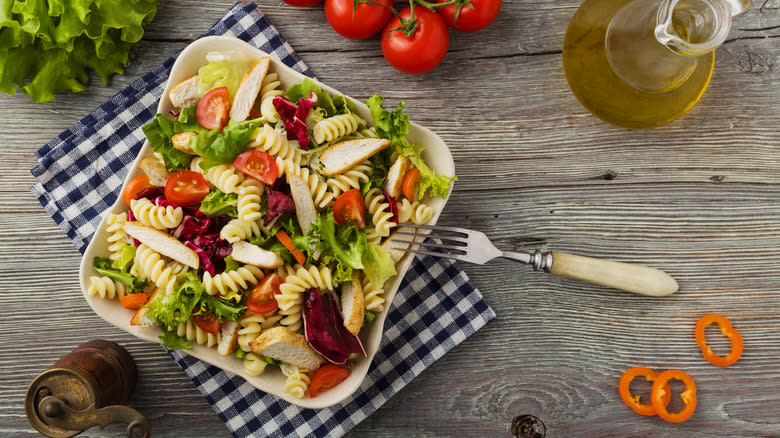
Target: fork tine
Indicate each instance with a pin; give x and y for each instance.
(460, 257)
(463, 231)
(431, 245)
(433, 236)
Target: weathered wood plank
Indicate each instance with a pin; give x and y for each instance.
(697, 198)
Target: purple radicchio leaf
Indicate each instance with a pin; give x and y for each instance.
(278, 205)
(294, 117)
(324, 328)
(205, 261)
(151, 193)
(393, 205)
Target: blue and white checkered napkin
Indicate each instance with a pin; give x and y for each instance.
(80, 174)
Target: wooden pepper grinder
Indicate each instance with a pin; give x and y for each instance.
(83, 389)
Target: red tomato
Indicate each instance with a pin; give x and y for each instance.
(423, 49)
(471, 18)
(186, 187)
(260, 165)
(262, 299)
(302, 3)
(367, 19)
(326, 377)
(207, 322)
(134, 187)
(214, 108)
(350, 207)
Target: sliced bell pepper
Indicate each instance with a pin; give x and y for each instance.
(728, 331)
(633, 400)
(659, 392)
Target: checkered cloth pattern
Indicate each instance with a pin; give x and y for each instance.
(80, 174)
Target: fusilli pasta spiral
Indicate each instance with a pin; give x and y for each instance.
(106, 287)
(275, 143)
(116, 235)
(269, 90)
(333, 128)
(415, 212)
(373, 296)
(297, 380)
(191, 332)
(230, 284)
(380, 213)
(222, 176)
(350, 179)
(151, 265)
(237, 229)
(254, 364)
(249, 193)
(151, 215)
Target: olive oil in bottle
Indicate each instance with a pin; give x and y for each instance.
(643, 63)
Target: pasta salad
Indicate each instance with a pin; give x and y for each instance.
(260, 225)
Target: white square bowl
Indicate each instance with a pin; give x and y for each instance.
(436, 155)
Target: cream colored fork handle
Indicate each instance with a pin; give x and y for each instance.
(624, 276)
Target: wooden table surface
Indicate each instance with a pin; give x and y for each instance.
(698, 198)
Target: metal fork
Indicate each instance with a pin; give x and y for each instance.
(475, 247)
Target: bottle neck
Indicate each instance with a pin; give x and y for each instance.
(695, 27)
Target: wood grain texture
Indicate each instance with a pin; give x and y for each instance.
(698, 198)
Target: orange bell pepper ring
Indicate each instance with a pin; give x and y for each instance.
(633, 400)
(728, 331)
(659, 392)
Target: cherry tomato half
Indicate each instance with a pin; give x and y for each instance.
(262, 299)
(186, 187)
(357, 23)
(424, 49)
(207, 322)
(470, 18)
(326, 377)
(350, 207)
(260, 165)
(214, 108)
(135, 186)
(302, 3)
(409, 185)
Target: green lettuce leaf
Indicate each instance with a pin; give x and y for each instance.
(48, 46)
(379, 266)
(176, 307)
(330, 105)
(223, 147)
(225, 69)
(104, 267)
(394, 126)
(159, 132)
(217, 203)
(343, 247)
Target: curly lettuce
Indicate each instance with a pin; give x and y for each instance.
(46, 47)
(394, 126)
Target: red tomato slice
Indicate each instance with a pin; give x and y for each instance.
(259, 165)
(186, 187)
(135, 186)
(214, 108)
(350, 207)
(326, 377)
(207, 322)
(477, 15)
(359, 22)
(262, 299)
